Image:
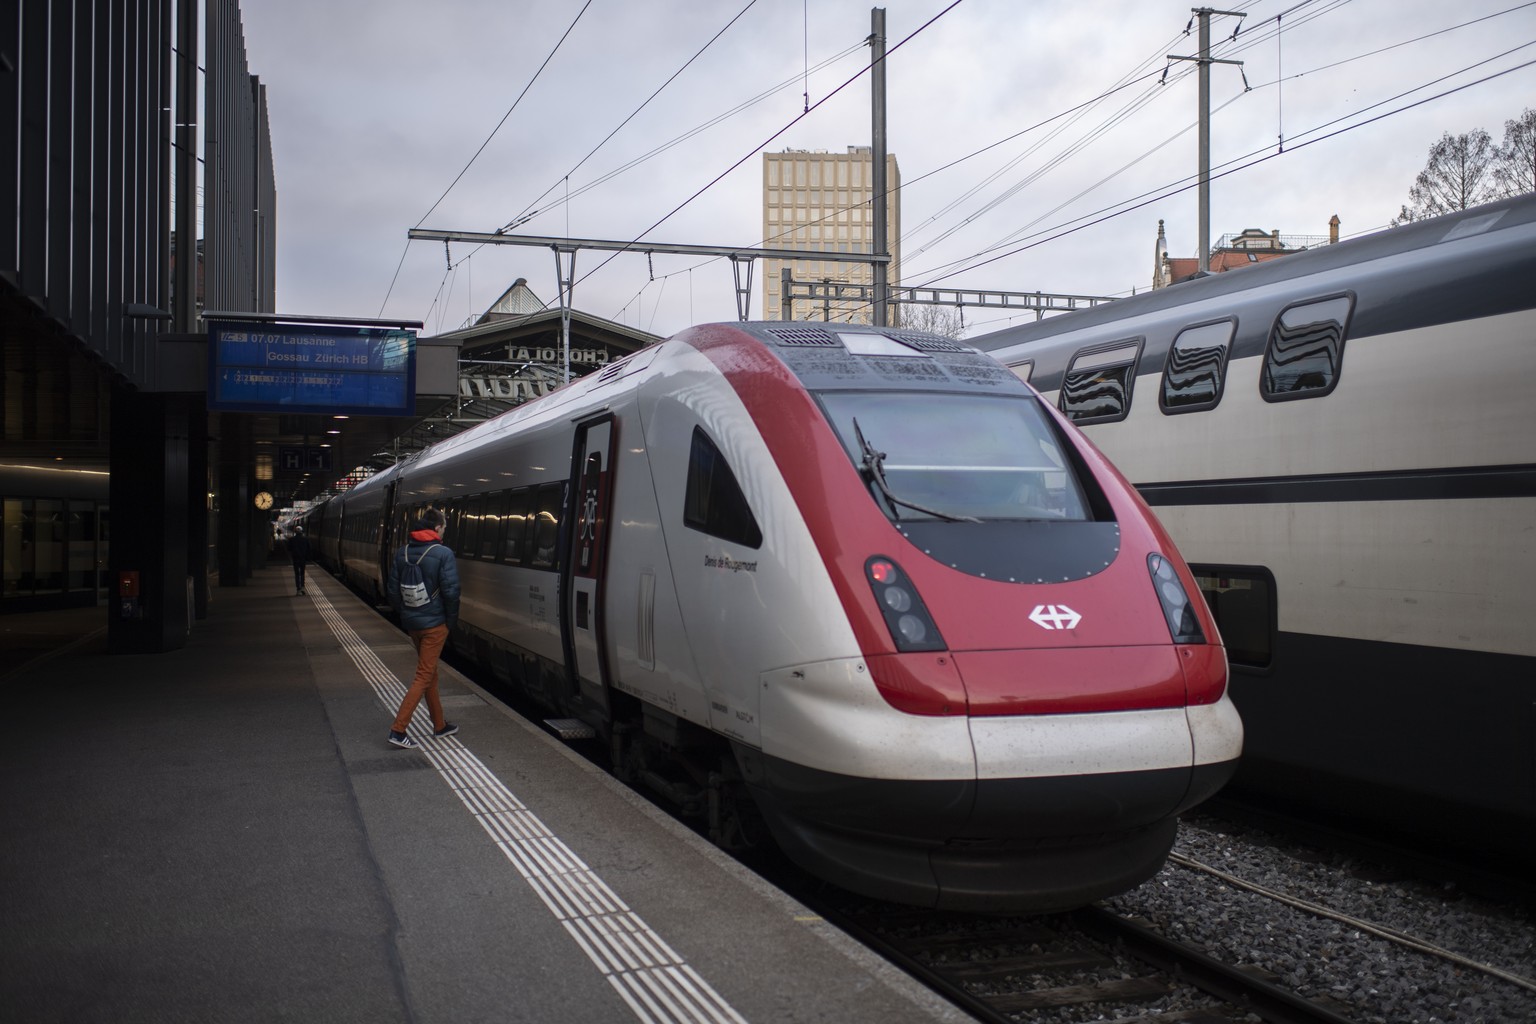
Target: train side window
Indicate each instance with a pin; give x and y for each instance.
(1197, 367)
(468, 541)
(1242, 601)
(453, 521)
(1023, 370)
(545, 527)
(514, 549)
(714, 503)
(491, 528)
(1306, 349)
(1098, 383)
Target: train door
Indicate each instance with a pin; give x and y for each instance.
(583, 568)
(384, 535)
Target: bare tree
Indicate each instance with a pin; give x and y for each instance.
(945, 320)
(1457, 176)
(1514, 163)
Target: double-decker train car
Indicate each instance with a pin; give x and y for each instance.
(1343, 443)
(859, 586)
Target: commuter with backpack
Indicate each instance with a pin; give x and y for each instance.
(424, 590)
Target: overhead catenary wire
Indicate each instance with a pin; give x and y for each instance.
(1110, 213)
(529, 213)
(912, 181)
(633, 114)
(1123, 114)
(458, 177)
(1120, 116)
(678, 140)
(1253, 37)
(636, 242)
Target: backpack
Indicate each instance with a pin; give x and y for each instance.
(413, 586)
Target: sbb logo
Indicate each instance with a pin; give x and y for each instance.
(1054, 616)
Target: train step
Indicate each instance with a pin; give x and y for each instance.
(570, 728)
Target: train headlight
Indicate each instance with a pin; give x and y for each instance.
(912, 628)
(1183, 623)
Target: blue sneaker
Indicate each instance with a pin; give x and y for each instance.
(400, 739)
(447, 730)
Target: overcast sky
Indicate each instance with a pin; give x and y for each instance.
(379, 107)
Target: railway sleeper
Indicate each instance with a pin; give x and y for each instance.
(1030, 963)
(1121, 990)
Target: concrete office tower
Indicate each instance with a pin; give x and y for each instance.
(821, 200)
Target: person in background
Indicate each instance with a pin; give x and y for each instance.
(298, 551)
(427, 622)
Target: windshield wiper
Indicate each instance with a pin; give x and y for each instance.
(873, 465)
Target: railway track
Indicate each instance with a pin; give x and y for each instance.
(1086, 965)
(1109, 964)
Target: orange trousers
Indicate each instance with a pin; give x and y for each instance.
(429, 648)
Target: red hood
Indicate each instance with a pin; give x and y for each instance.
(427, 536)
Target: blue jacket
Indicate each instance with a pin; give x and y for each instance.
(441, 572)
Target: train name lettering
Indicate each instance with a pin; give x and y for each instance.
(726, 562)
(595, 356)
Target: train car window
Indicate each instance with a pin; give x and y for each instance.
(545, 527)
(514, 547)
(1306, 349)
(1197, 367)
(453, 525)
(491, 528)
(951, 456)
(1023, 370)
(1097, 386)
(714, 503)
(1242, 601)
(468, 543)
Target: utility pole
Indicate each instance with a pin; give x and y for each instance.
(1205, 61)
(881, 312)
(565, 270)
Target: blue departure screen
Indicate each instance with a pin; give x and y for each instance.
(256, 367)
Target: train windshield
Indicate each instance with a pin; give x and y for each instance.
(939, 456)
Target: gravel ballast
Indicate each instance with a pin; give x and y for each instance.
(1378, 981)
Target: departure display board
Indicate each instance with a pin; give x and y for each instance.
(297, 368)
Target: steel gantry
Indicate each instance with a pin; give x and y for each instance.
(987, 298)
(565, 250)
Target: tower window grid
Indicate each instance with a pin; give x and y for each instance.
(820, 200)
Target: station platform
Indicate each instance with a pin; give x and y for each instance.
(223, 833)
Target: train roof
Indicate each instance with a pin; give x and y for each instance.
(832, 357)
(1486, 221)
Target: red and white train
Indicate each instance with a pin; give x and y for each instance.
(865, 577)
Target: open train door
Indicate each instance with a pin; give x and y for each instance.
(586, 561)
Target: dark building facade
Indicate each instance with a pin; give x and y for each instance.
(107, 113)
